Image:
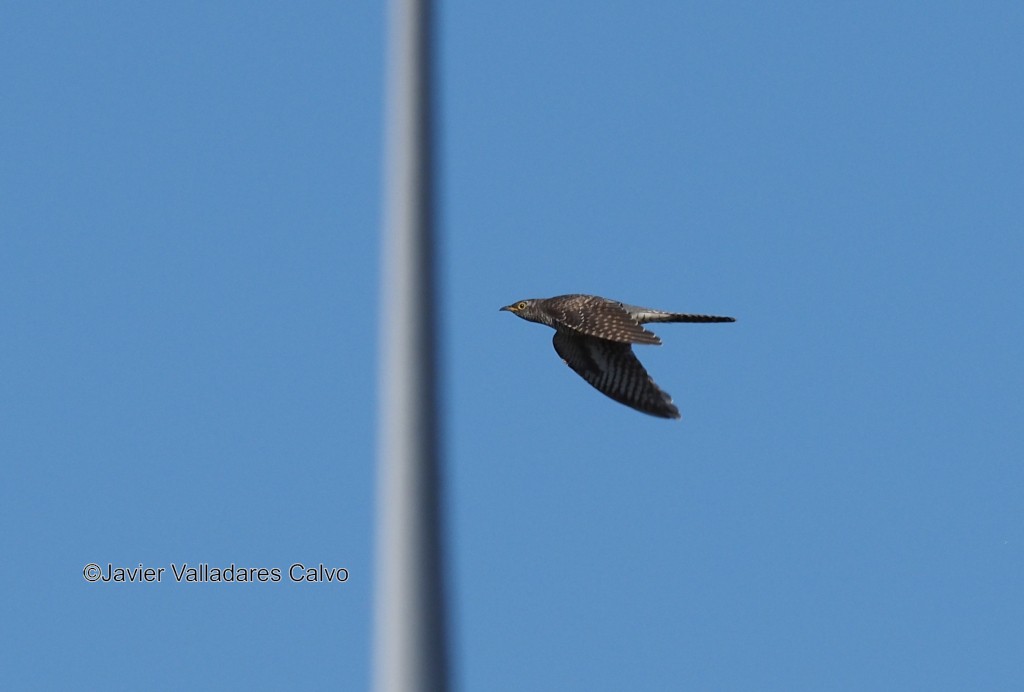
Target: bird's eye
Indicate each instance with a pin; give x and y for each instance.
(521, 305)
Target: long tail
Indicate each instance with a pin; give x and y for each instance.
(686, 317)
(646, 315)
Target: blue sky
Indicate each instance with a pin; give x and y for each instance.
(190, 198)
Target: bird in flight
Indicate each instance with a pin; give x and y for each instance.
(594, 337)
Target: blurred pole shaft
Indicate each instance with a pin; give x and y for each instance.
(410, 651)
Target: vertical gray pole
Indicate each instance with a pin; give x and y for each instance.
(410, 651)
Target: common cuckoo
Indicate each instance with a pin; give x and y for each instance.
(594, 337)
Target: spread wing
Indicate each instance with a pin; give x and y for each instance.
(613, 369)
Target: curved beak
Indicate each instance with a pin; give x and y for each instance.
(507, 308)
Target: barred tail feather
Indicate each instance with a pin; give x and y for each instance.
(685, 317)
(647, 316)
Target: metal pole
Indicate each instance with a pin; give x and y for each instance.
(410, 651)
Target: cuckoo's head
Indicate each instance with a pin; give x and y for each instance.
(527, 309)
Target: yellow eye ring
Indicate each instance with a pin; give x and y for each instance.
(521, 305)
